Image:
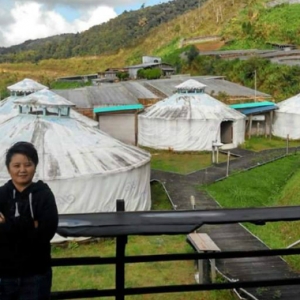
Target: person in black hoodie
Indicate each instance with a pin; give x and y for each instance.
(28, 221)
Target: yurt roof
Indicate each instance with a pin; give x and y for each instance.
(26, 85)
(44, 98)
(291, 105)
(191, 84)
(8, 110)
(191, 106)
(68, 148)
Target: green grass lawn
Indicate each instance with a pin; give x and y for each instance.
(274, 184)
(137, 275)
(270, 185)
(258, 143)
(182, 162)
(188, 162)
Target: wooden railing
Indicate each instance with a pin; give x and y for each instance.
(122, 224)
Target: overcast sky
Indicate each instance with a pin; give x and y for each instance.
(31, 19)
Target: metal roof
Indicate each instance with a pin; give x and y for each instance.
(251, 105)
(118, 108)
(214, 85)
(123, 93)
(257, 110)
(145, 65)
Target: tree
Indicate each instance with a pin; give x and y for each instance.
(192, 54)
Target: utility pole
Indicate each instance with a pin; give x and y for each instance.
(255, 86)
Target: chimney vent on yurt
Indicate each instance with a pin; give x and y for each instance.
(44, 103)
(191, 86)
(25, 87)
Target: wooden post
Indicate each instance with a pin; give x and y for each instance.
(203, 243)
(250, 127)
(266, 125)
(136, 128)
(271, 123)
(228, 159)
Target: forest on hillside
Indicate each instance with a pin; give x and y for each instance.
(105, 38)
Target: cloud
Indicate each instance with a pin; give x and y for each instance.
(31, 20)
(86, 3)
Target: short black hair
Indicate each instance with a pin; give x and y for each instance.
(24, 148)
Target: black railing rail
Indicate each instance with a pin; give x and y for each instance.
(122, 224)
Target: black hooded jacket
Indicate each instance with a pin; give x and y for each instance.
(24, 249)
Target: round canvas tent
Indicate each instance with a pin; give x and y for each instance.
(190, 120)
(287, 119)
(31, 88)
(86, 169)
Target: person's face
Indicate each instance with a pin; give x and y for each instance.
(21, 170)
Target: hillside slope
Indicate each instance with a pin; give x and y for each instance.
(108, 37)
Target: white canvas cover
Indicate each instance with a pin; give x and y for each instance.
(86, 169)
(287, 118)
(188, 121)
(27, 85)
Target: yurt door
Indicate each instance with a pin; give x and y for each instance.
(227, 132)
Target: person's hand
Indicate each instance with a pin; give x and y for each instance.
(2, 218)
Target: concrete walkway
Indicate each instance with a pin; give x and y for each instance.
(234, 236)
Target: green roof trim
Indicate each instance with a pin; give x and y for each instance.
(118, 108)
(252, 105)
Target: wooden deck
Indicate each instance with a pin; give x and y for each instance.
(180, 188)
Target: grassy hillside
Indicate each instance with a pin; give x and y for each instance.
(246, 23)
(162, 40)
(258, 24)
(108, 37)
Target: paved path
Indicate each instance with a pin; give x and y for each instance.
(234, 236)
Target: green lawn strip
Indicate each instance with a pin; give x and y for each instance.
(137, 275)
(274, 184)
(259, 143)
(180, 162)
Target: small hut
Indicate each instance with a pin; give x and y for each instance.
(190, 120)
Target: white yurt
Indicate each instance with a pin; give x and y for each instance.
(190, 120)
(86, 169)
(287, 119)
(26, 87)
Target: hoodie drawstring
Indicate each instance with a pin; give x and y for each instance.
(17, 214)
(30, 205)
